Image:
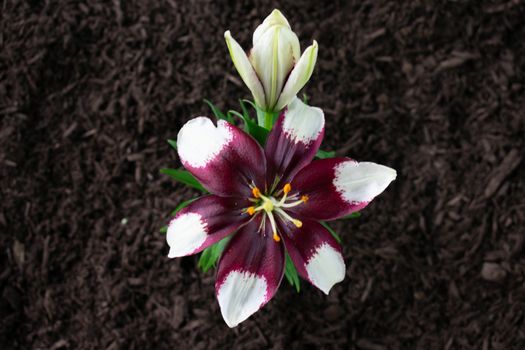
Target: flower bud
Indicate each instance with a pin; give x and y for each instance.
(274, 71)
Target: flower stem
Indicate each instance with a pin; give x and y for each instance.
(266, 119)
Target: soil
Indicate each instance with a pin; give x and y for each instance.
(91, 90)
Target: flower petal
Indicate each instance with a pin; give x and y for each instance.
(339, 186)
(225, 159)
(204, 222)
(299, 76)
(315, 253)
(245, 69)
(276, 18)
(273, 57)
(249, 272)
(294, 140)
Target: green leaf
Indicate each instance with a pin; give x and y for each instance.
(211, 255)
(217, 113)
(163, 229)
(258, 133)
(291, 274)
(336, 236)
(182, 206)
(184, 177)
(352, 216)
(173, 144)
(245, 112)
(325, 154)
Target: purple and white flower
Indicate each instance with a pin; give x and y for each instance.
(271, 201)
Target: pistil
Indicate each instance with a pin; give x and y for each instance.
(269, 204)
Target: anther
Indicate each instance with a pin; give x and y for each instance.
(256, 193)
(304, 198)
(250, 210)
(287, 188)
(298, 223)
(276, 237)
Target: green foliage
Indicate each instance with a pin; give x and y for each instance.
(336, 236)
(163, 229)
(217, 113)
(250, 126)
(184, 177)
(352, 216)
(305, 98)
(258, 133)
(173, 144)
(325, 154)
(291, 274)
(211, 255)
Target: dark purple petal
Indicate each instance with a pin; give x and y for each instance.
(293, 141)
(249, 272)
(315, 253)
(225, 159)
(204, 222)
(339, 186)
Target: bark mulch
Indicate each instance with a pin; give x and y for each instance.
(90, 91)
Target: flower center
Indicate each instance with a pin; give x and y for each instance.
(270, 205)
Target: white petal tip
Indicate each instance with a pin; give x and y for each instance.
(199, 141)
(186, 234)
(240, 295)
(227, 35)
(303, 123)
(325, 268)
(362, 182)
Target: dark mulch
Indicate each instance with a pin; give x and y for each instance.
(89, 92)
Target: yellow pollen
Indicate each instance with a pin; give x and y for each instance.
(276, 237)
(251, 210)
(287, 188)
(298, 223)
(256, 193)
(267, 206)
(304, 198)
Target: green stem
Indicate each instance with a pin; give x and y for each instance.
(266, 119)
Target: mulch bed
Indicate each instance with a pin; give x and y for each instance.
(90, 91)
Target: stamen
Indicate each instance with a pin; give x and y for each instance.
(304, 198)
(297, 223)
(272, 223)
(256, 193)
(276, 237)
(286, 189)
(250, 210)
(292, 204)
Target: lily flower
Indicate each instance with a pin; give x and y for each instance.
(274, 71)
(271, 201)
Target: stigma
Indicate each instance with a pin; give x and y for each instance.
(270, 206)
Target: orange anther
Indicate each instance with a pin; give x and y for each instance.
(304, 198)
(287, 188)
(256, 193)
(276, 237)
(251, 210)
